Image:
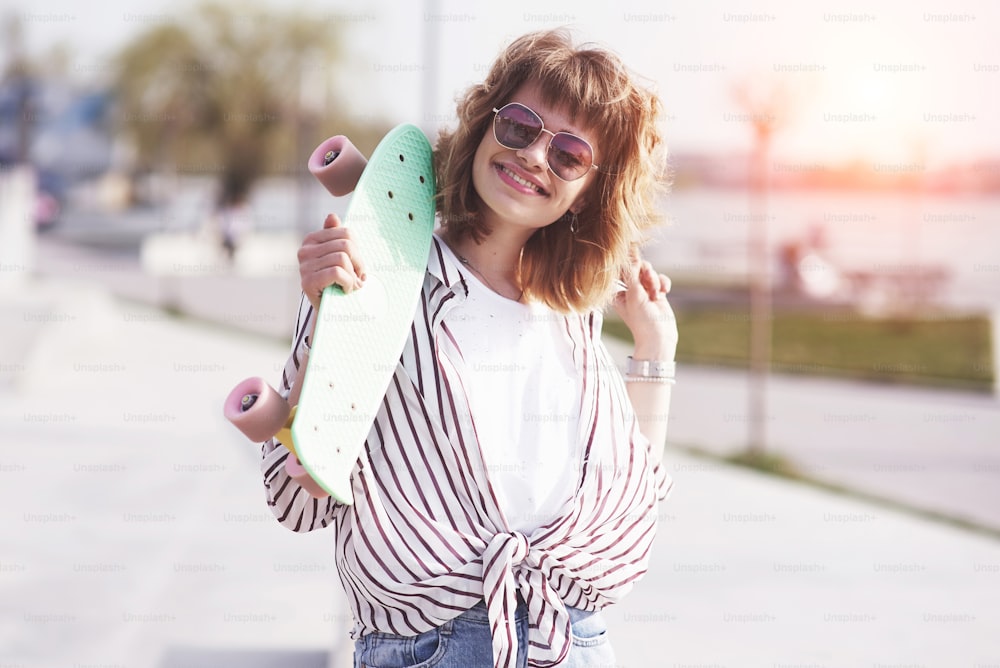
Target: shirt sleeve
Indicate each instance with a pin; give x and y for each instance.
(292, 506)
(661, 480)
(663, 483)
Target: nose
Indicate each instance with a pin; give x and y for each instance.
(535, 155)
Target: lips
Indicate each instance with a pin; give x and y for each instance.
(520, 178)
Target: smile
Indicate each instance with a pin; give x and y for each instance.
(516, 178)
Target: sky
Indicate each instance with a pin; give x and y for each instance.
(885, 82)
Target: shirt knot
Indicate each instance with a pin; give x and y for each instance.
(512, 543)
(500, 559)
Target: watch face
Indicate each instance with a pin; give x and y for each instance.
(637, 367)
(650, 368)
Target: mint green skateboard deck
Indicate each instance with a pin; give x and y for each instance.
(359, 336)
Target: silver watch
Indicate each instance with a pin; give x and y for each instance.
(650, 368)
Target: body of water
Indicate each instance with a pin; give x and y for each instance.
(708, 232)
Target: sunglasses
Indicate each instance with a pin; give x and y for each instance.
(515, 126)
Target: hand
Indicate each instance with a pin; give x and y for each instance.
(329, 256)
(644, 309)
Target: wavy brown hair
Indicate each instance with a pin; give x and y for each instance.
(568, 271)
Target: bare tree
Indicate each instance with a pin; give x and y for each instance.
(221, 88)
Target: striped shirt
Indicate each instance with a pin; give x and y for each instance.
(426, 538)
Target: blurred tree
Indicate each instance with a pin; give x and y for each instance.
(218, 91)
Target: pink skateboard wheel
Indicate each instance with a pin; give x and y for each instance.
(341, 175)
(261, 418)
(294, 468)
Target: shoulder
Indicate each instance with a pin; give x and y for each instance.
(443, 267)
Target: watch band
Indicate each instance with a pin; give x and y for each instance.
(650, 368)
(650, 379)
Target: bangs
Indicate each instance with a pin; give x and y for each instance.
(590, 86)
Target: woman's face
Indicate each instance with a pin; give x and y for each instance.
(516, 186)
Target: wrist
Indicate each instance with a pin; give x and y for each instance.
(650, 371)
(655, 342)
(654, 350)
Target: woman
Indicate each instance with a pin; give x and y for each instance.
(507, 490)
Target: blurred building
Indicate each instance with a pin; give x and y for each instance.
(64, 132)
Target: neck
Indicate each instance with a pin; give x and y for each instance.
(496, 259)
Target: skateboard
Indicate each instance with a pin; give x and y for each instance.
(359, 336)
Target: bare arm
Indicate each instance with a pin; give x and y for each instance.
(644, 308)
(651, 401)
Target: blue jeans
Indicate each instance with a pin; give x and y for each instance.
(464, 642)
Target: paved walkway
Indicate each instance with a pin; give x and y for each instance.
(133, 529)
(929, 449)
(134, 526)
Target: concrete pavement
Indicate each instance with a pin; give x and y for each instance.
(134, 523)
(135, 531)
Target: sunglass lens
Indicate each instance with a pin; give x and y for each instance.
(517, 126)
(569, 156)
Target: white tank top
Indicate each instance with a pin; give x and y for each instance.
(524, 398)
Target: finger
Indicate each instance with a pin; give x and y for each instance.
(320, 280)
(662, 286)
(630, 273)
(333, 222)
(650, 280)
(332, 229)
(333, 238)
(338, 276)
(345, 246)
(319, 263)
(317, 273)
(656, 284)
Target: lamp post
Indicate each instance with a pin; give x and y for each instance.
(429, 83)
(766, 107)
(760, 291)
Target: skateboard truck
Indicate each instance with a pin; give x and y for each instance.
(261, 413)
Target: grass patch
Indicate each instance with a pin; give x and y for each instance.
(941, 352)
(765, 462)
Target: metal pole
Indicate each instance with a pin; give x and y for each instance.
(760, 300)
(432, 39)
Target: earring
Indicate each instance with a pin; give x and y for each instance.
(572, 222)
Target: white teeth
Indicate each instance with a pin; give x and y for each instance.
(522, 181)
